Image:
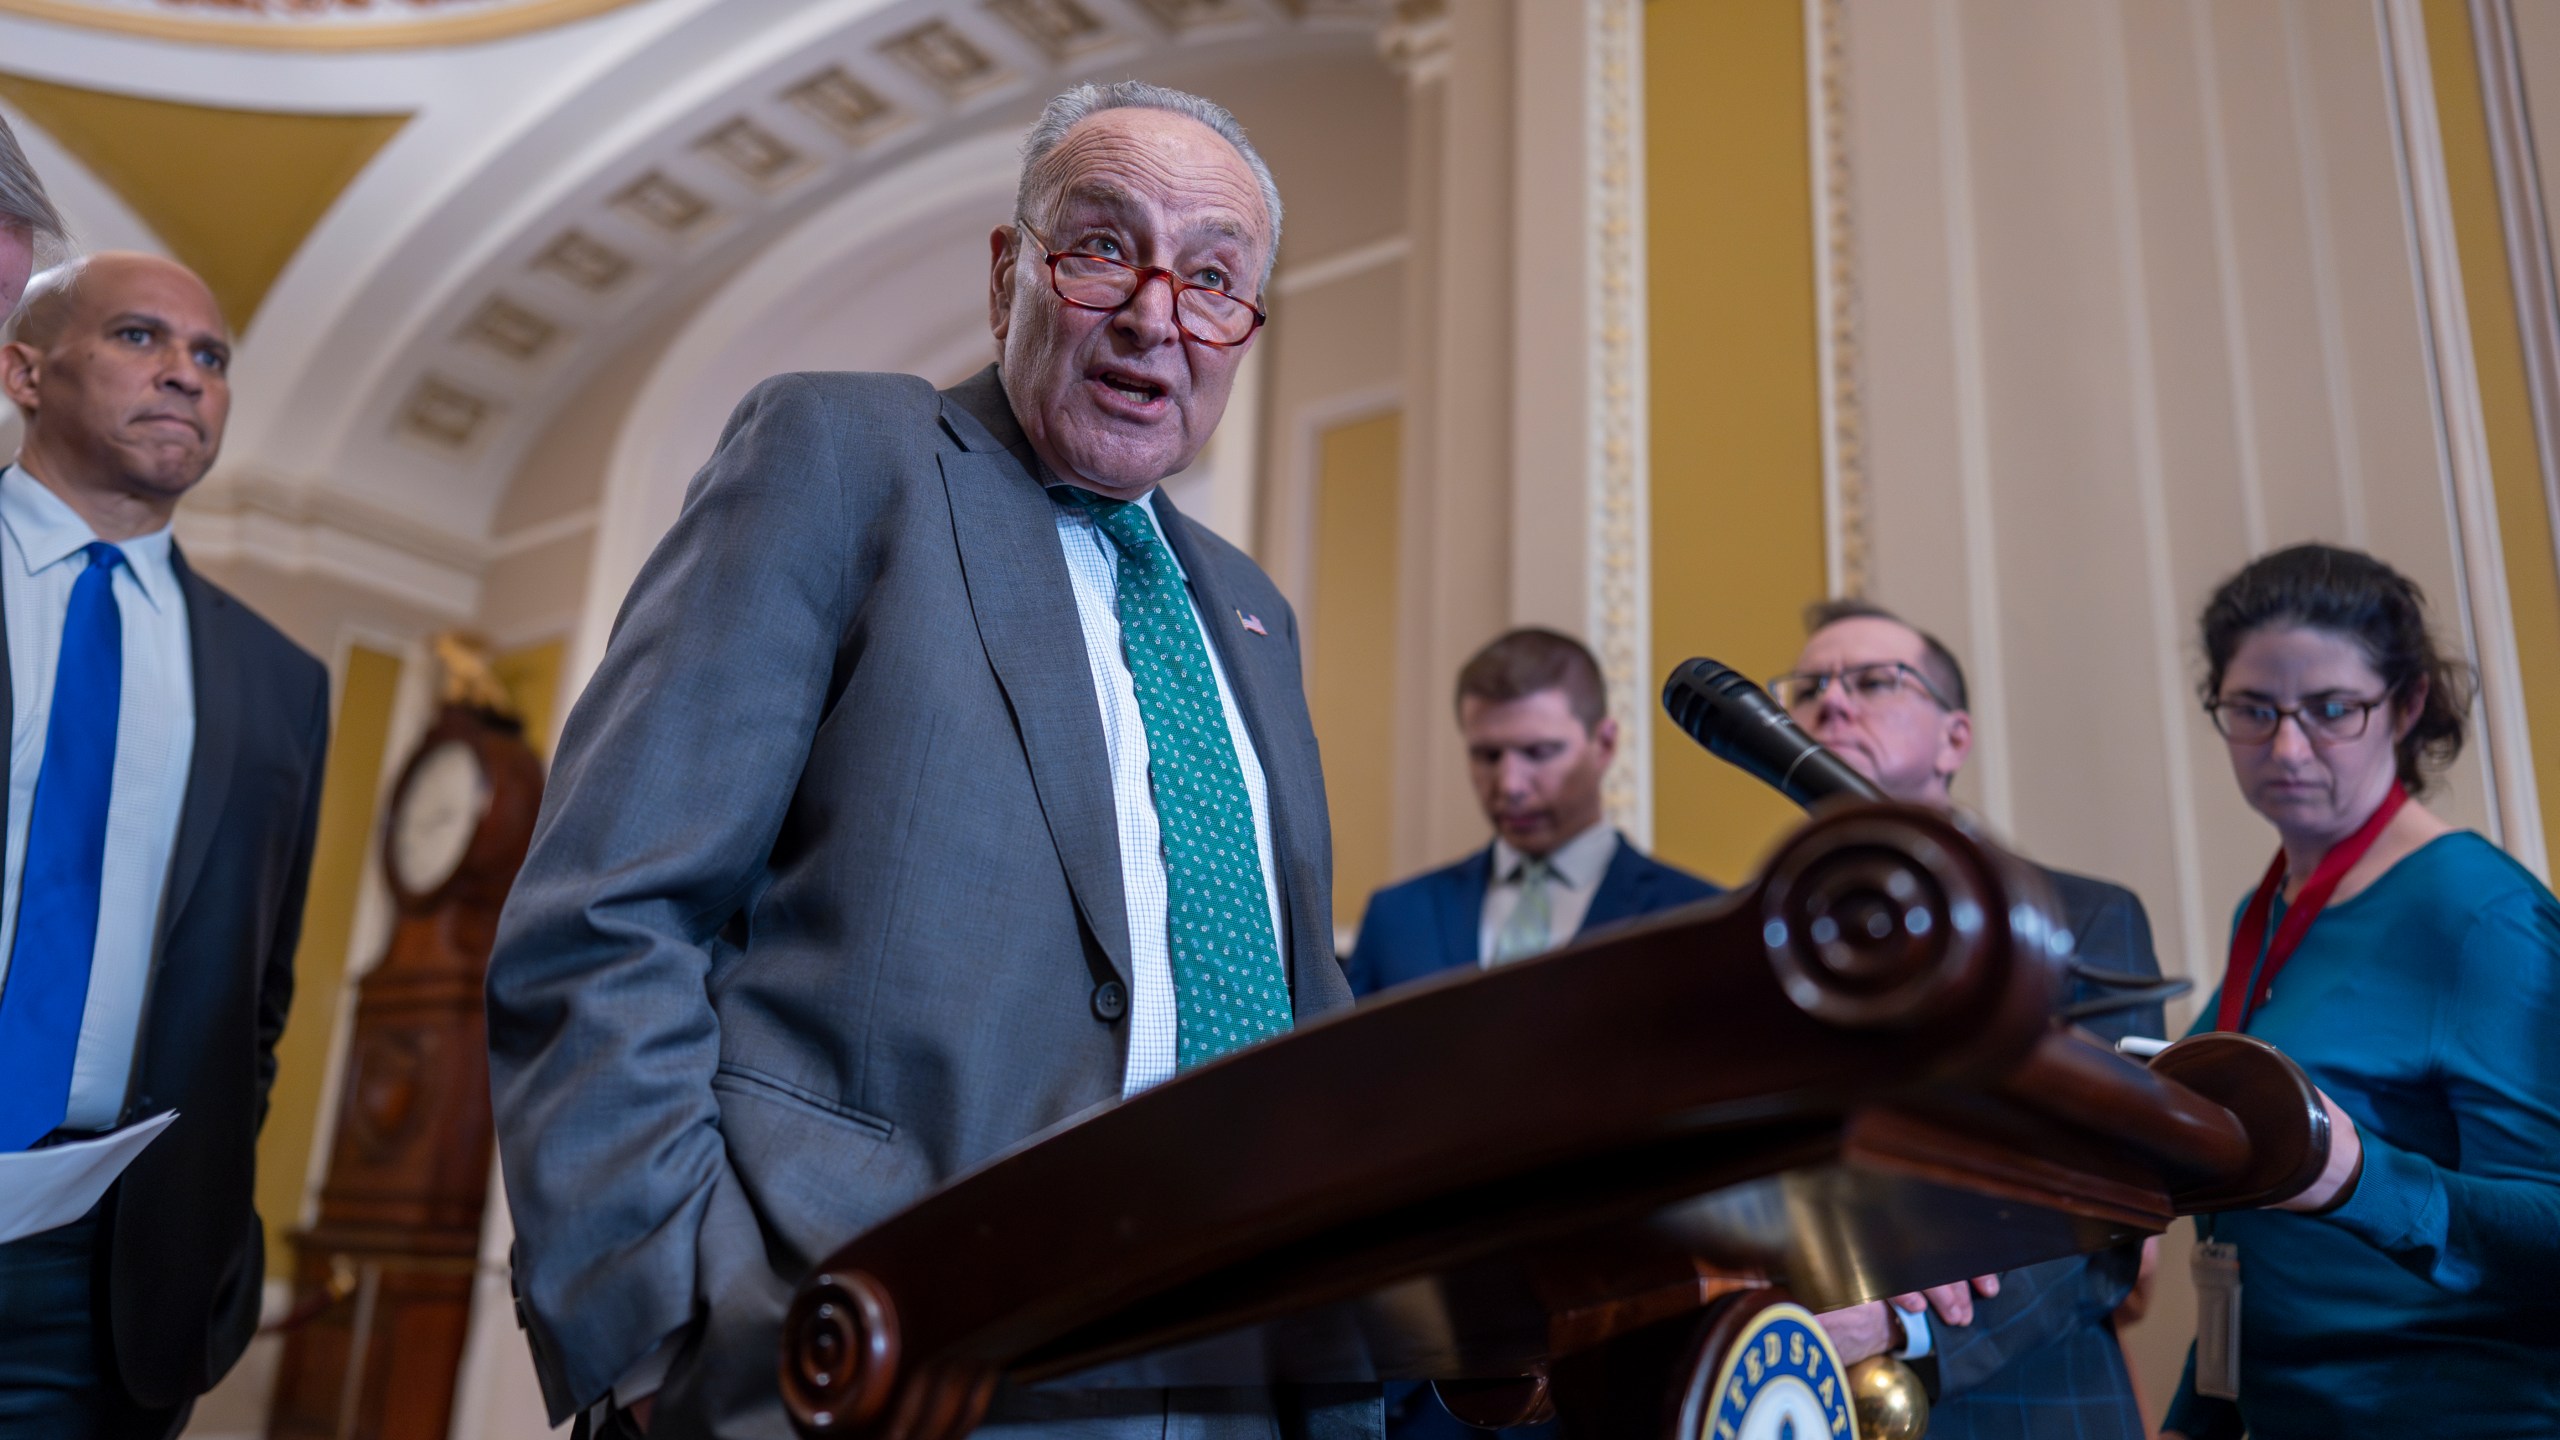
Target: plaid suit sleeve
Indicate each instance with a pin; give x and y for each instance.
(2035, 1307)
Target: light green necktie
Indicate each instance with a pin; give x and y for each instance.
(1526, 930)
(1229, 989)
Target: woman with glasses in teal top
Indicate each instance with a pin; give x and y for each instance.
(2413, 971)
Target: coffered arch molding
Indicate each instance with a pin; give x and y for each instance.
(885, 253)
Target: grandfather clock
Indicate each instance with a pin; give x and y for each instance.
(398, 1236)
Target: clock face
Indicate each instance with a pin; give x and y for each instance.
(438, 814)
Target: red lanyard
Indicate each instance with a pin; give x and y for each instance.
(2237, 997)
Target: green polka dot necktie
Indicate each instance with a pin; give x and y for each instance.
(1229, 989)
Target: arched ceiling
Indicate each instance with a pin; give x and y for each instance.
(237, 200)
(555, 193)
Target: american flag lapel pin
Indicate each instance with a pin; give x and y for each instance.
(1253, 623)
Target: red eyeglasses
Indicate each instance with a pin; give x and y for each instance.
(1097, 282)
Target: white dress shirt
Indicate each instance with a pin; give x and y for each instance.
(1579, 864)
(1093, 565)
(155, 746)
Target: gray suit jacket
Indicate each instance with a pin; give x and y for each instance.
(824, 906)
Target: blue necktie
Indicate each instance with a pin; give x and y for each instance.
(47, 986)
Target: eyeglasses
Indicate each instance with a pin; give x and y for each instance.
(2332, 721)
(1867, 684)
(1097, 282)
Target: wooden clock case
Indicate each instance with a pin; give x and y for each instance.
(397, 1241)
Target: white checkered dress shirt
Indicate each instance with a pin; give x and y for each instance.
(1093, 564)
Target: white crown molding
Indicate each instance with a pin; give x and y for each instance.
(1345, 265)
(570, 526)
(304, 531)
(415, 25)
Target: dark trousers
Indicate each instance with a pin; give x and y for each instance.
(57, 1363)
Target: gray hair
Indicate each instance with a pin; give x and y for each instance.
(1061, 114)
(22, 197)
(46, 306)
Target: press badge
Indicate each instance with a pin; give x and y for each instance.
(2217, 1275)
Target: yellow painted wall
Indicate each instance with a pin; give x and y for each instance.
(1352, 640)
(2497, 345)
(532, 678)
(232, 193)
(339, 859)
(1737, 443)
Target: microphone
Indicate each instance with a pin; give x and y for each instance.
(1740, 725)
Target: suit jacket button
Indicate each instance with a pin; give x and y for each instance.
(1110, 1000)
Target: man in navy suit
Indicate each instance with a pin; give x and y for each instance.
(1539, 740)
(2036, 1354)
(162, 785)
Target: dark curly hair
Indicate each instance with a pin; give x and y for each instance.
(2350, 593)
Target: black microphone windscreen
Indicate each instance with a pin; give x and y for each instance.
(1739, 724)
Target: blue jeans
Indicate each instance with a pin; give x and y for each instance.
(57, 1371)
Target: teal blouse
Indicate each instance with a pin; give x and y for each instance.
(2428, 1007)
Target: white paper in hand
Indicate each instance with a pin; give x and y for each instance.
(42, 1190)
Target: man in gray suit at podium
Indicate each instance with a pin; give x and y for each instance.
(28, 221)
(940, 783)
(2036, 1358)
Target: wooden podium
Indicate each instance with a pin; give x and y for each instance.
(1535, 1184)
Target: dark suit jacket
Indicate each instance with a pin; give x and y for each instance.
(186, 1254)
(2040, 1358)
(824, 905)
(1433, 922)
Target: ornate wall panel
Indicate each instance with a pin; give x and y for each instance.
(1844, 460)
(1620, 577)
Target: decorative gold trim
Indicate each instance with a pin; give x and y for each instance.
(1621, 580)
(1844, 427)
(253, 35)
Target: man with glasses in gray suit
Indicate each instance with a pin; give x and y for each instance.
(28, 221)
(940, 783)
